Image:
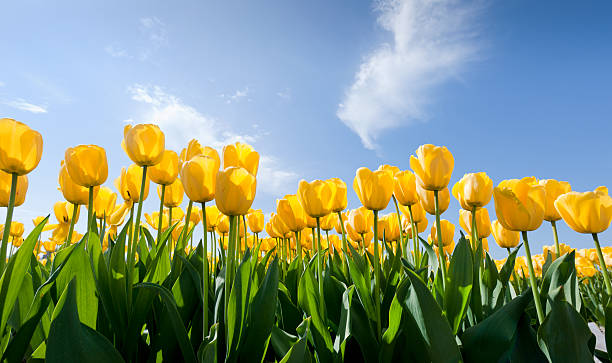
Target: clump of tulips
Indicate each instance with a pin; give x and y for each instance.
(316, 280)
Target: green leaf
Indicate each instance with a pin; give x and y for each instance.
(237, 309)
(13, 275)
(609, 329)
(72, 341)
(564, 335)
(354, 323)
(359, 270)
(297, 353)
(561, 273)
(459, 285)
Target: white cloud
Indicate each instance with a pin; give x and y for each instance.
(23, 105)
(155, 30)
(284, 94)
(432, 42)
(182, 122)
(236, 96)
(155, 35)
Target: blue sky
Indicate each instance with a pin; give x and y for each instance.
(320, 88)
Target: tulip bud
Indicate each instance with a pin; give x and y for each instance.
(483, 223)
(433, 166)
(388, 227)
(374, 189)
(17, 229)
(104, 203)
(144, 144)
(474, 190)
(255, 220)
(448, 232)
(241, 155)
(235, 190)
(173, 195)
(73, 192)
(361, 220)
(194, 149)
(222, 224)
(315, 197)
(87, 165)
(404, 188)
(327, 222)
(291, 212)
(5, 189)
(553, 189)
(166, 171)
(21, 147)
(339, 187)
(519, 205)
(338, 223)
(198, 176)
(212, 217)
(426, 197)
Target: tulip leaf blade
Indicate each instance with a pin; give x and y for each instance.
(459, 285)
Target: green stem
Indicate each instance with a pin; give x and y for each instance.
(557, 247)
(415, 237)
(602, 264)
(298, 245)
(532, 280)
(344, 245)
(514, 276)
(320, 267)
(229, 267)
(7, 223)
(377, 278)
(103, 231)
(399, 221)
(161, 214)
(205, 275)
(441, 255)
(186, 227)
(89, 216)
(71, 229)
(132, 250)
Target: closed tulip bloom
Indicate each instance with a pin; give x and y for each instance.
(21, 147)
(519, 205)
(255, 221)
(474, 190)
(421, 226)
(235, 190)
(448, 232)
(418, 212)
(173, 195)
(433, 166)
(196, 216)
(71, 191)
(374, 188)
(166, 171)
(241, 155)
(17, 229)
(426, 198)
(212, 217)
(361, 220)
(129, 182)
(199, 176)
(328, 221)
(404, 188)
(589, 212)
(194, 148)
(105, 201)
(49, 246)
(388, 226)
(392, 170)
(87, 165)
(483, 223)
(5, 189)
(553, 189)
(310, 222)
(144, 144)
(63, 212)
(315, 197)
(339, 187)
(337, 221)
(291, 212)
(222, 224)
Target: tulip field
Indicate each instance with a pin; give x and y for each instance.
(314, 281)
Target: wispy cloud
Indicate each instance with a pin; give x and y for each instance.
(182, 122)
(284, 94)
(154, 36)
(155, 30)
(236, 96)
(116, 52)
(21, 104)
(432, 42)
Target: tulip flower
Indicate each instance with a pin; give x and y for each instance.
(361, 220)
(554, 189)
(446, 236)
(291, 212)
(315, 197)
(520, 205)
(327, 222)
(428, 201)
(255, 221)
(212, 217)
(144, 144)
(129, 184)
(505, 238)
(433, 166)
(199, 176)
(374, 188)
(474, 190)
(5, 189)
(389, 227)
(241, 155)
(87, 165)
(404, 192)
(194, 148)
(20, 152)
(420, 227)
(589, 212)
(166, 171)
(173, 196)
(104, 204)
(235, 190)
(73, 192)
(483, 223)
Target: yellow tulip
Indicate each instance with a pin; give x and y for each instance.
(310, 222)
(129, 182)
(553, 189)
(212, 217)
(315, 197)
(339, 200)
(64, 210)
(519, 205)
(173, 195)
(392, 170)
(49, 246)
(589, 212)
(105, 201)
(374, 188)
(291, 212)
(241, 155)
(404, 188)
(255, 221)
(199, 176)
(505, 238)
(361, 220)
(388, 226)
(196, 216)
(421, 226)
(153, 220)
(16, 230)
(426, 198)
(5, 189)
(144, 144)
(235, 190)
(73, 192)
(338, 221)
(327, 222)
(119, 213)
(166, 171)
(21, 147)
(194, 149)
(222, 224)
(87, 165)
(433, 166)
(483, 223)
(474, 190)
(448, 232)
